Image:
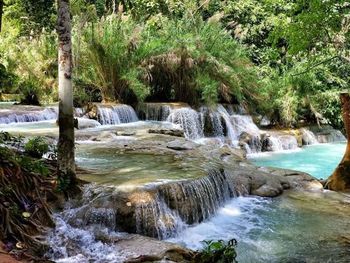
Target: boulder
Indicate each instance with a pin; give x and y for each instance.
(181, 145)
(170, 132)
(84, 123)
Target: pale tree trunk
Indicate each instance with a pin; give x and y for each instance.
(340, 179)
(66, 164)
(1, 12)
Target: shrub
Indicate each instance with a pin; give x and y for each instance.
(36, 147)
(218, 252)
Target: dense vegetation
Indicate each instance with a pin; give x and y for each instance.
(287, 59)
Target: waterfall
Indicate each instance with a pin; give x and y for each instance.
(231, 133)
(308, 137)
(282, 142)
(198, 199)
(154, 111)
(109, 115)
(154, 218)
(7, 116)
(189, 120)
(211, 122)
(244, 123)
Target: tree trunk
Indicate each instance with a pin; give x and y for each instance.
(1, 12)
(340, 179)
(66, 163)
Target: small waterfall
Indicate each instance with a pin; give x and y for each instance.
(308, 137)
(231, 132)
(197, 200)
(211, 123)
(244, 123)
(116, 114)
(28, 116)
(154, 111)
(189, 120)
(282, 142)
(154, 218)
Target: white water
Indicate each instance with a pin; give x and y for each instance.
(283, 142)
(8, 116)
(116, 114)
(231, 133)
(189, 120)
(308, 137)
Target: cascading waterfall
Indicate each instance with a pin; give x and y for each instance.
(154, 111)
(189, 120)
(28, 116)
(308, 137)
(116, 114)
(154, 218)
(211, 122)
(231, 132)
(283, 142)
(197, 200)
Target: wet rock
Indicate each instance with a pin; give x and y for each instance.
(84, 123)
(265, 122)
(327, 134)
(105, 136)
(250, 142)
(92, 111)
(152, 250)
(266, 143)
(127, 133)
(171, 132)
(181, 145)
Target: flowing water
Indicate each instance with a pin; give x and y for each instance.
(318, 160)
(299, 227)
(125, 170)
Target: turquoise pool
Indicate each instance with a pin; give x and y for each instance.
(318, 160)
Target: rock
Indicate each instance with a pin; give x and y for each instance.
(181, 145)
(84, 123)
(170, 132)
(152, 250)
(308, 137)
(266, 143)
(327, 134)
(92, 111)
(127, 133)
(252, 141)
(265, 122)
(105, 136)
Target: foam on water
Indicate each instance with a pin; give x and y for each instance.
(77, 244)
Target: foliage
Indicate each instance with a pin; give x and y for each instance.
(36, 147)
(218, 251)
(270, 53)
(30, 16)
(33, 166)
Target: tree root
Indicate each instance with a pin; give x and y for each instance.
(24, 209)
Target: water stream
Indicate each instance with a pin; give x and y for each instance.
(297, 227)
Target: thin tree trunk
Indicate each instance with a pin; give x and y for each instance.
(1, 12)
(340, 179)
(66, 164)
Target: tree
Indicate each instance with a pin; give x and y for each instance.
(340, 179)
(66, 163)
(1, 11)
